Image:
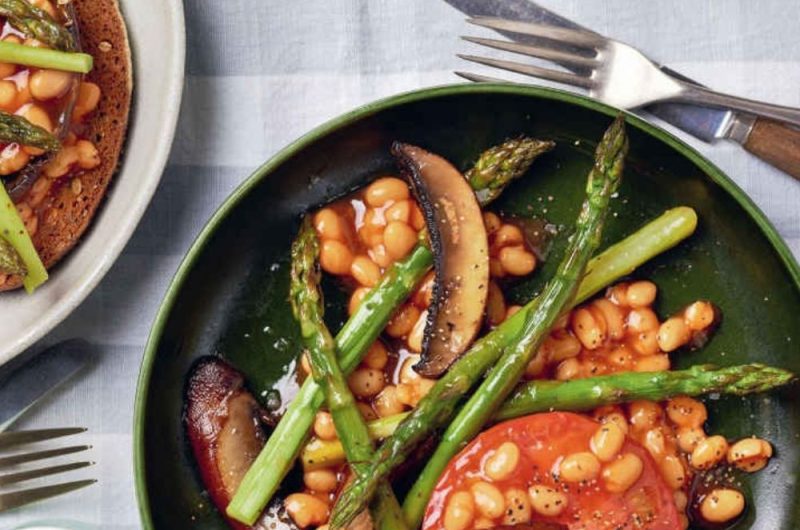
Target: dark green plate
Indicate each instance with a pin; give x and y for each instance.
(229, 295)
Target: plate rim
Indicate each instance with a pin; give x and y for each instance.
(158, 162)
(364, 111)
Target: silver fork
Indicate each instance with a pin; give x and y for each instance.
(11, 473)
(612, 71)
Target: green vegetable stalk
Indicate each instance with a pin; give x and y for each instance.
(589, 393)
(36, 24)
(17, 250)
(497, 167)
(16, 129)
(308, 307)
(438, 406)
(11, 52)
(276, 459)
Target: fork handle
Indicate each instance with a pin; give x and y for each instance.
(709, 98)
(776, 144)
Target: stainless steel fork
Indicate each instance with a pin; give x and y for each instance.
(612, 71)
(13, 471)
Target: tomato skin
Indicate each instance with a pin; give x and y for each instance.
(543, 439)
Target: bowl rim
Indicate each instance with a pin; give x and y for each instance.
(127, 226)
(359, 113)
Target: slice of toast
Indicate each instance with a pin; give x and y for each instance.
(66, 214)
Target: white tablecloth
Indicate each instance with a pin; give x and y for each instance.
(262, 72)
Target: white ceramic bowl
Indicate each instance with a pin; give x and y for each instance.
(158, 40)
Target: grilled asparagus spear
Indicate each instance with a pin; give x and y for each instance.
(16, 129)
(18, 247)
(36, 23)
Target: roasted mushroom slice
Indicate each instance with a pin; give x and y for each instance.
(460, 244)
(224, 426)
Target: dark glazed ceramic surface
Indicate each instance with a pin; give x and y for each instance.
(229, 297)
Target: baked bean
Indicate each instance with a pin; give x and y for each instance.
(699, 315)
(399, 211)
(306, 510)
(384, 190)
(23, 97)
(611, 414)
(371, 231)
(588, 329)
(320, 480)
(673, 472)
(482, 523)
(356, 298)
(561, 345)
(60, 164)
(39, 191)
(673, 334)
(681, 500)
(459, 512)
(492, 222)
(641, 320)
(518, 507)
(407, 372)
(568, 369)
(506, 236)
(387, 402)
(618, 294)
(607, 441)
(644, 415)
(612, 316)
(305, 364)
(399, 238)
(496, 269)
(502, 461)
(488, 499)
(709, 452)
(750, 454)
(423, 296)
(377, 357)
(417, 219)
(335, 257)
(379, 255)
(686, 412)
(652, 363)
(516, 260)
(366, 411)
(12, 159)
(722, 505)
(417, 334)
(622, 473)
(403, 321)
(7, 69)
(329, 225)
(537, 365)
(689, 437)
(37, 116)
(32, 225)
(641, 294)
(621, 358)
(579, 467)
(495, 305)
(49, 84)
(365, 271)
(654, 442)
(324, 427)
(366, 382)
(24, 210)
(547, 501)
(8, 94)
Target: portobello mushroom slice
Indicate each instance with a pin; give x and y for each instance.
(460, 244)
(224, 424)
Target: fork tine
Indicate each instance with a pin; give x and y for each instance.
(534, 71)
(536, 51)
(478, 78)
(40, 455)
(13, 478)
(10, 439)
(574, 37)
(20, 498)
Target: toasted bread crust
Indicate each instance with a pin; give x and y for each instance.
(67, 215)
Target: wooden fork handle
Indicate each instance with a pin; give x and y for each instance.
(776, 144)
